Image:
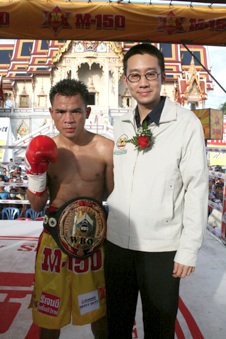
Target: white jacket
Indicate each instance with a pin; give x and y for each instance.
(160, 198)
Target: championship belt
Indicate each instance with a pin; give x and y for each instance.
(78, 227)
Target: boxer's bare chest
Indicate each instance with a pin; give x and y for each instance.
(80, 173)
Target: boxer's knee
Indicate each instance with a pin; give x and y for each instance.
(99, 328)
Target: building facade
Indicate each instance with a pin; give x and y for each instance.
(28, 69)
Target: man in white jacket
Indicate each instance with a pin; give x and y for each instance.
(158, 208)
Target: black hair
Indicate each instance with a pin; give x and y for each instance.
(69, 88)
(13, 189)
(219, 184)
(144, 48)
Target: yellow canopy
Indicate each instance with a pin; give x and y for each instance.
(46, 19)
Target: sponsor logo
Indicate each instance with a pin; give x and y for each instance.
(88, 302)
(56, 19)
(170, 23)
(121, 145)
(49, 304)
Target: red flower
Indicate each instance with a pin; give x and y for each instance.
(143, 141)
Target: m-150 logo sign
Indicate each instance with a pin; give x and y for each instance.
(58, 19)
(101, 21)
(170, 23)
(111, 22)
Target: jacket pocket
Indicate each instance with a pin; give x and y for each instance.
(168, 207)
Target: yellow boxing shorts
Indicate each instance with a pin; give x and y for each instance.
(66, 289)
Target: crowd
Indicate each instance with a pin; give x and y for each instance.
(216, 190)
(13, 186)
(216, 185)
(216, 196)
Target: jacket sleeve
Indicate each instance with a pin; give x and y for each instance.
(194, 171)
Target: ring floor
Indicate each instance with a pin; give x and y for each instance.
(202, 306)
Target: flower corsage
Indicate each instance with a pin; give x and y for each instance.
(143, 139)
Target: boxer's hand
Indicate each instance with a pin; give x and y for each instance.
(40, 152)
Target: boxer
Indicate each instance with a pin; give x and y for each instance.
(74, 172)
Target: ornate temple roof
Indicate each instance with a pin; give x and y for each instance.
(22, 59)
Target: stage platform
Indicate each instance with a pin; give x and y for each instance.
(202, 309)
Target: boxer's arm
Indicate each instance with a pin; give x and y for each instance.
(109, 181)
(40, 152)
(38, 203)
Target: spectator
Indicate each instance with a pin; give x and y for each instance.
(220, 181)
(11, 164)
(13, 196)
(25, 179)
(217, 194)
(3, 193)
(19, 179)
(22, 195)
(218, 168)
(4, 172)
(16, 171)
(211, 185)
(211, 196)
(12, 178)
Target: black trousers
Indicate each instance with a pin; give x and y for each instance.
(126, 273)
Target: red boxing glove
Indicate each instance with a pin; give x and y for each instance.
(40, 152)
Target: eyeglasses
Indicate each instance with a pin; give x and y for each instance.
(135, 77)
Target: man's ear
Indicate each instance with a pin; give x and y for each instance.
(88, 111)
(163, 78)
(125, 81)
